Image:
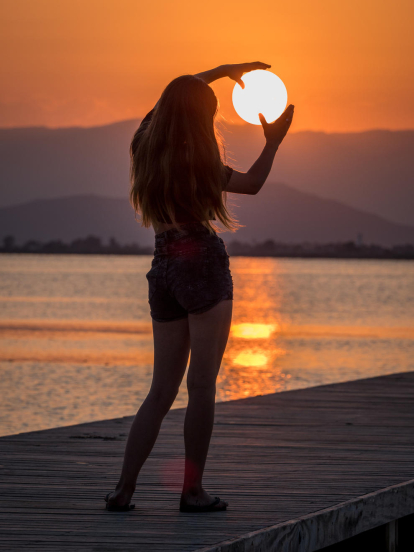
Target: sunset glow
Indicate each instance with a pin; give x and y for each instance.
(347, 66)
(263, 92)
(253, 331)
(250, 359)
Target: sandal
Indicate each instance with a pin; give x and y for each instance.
(191, 508)
(115, 508)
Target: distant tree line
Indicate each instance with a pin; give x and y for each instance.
(269, 248)
(341, 250)
(91, 245)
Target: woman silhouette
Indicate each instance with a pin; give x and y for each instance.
(178, 185)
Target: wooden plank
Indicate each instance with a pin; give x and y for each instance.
(330, 526)
(303, 457)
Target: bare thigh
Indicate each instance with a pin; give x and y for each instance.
(171, 352)
(209, 333)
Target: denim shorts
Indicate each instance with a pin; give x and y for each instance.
(190, 273)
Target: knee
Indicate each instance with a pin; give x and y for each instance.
(203, 389)
(162, 400)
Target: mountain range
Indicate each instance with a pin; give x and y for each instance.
(278, 212)
(372, 171)
(67, 182)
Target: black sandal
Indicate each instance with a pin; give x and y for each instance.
(191, 508)
(115, 508)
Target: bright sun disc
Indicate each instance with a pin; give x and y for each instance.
(263, 93)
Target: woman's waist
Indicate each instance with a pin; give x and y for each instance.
(178, 243)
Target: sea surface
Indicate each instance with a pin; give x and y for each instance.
(76, 335)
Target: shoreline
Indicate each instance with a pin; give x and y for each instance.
(302, 255)
(94, 245)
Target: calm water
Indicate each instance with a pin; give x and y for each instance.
(76, 341)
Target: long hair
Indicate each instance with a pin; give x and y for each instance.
(177, 159)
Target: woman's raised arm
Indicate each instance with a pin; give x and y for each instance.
(252, 181)
(233, 71)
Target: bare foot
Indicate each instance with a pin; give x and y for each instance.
(200, 498)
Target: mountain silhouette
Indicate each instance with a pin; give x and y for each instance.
(277, 212)
(372, 171)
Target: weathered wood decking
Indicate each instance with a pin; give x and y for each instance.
(301, 470)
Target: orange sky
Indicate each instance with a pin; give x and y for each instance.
(346, 65)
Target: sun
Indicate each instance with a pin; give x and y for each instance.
(264, 92)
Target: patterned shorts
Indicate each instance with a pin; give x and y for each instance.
(190, 273)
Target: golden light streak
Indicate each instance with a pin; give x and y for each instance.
(253, 331)
(251, 359)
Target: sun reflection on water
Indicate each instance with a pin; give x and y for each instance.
(253, 331)
(76, 341)
(251, 359)
(252, 362)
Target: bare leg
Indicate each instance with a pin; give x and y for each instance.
(209, 333)
(171, 352)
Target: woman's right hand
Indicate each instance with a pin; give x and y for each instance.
(276, 131)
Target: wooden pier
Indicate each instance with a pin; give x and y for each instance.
(301, 470)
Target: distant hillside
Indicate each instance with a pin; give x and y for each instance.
(278, 212)
(372, 171)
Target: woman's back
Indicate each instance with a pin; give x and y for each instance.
(177, 172)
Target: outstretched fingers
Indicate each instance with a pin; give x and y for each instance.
(287, 116)
(254, 66)
(236, 71)
(288, 113)
(276, 131)
(259, 65)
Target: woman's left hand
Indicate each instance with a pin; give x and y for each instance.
(236, 71)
